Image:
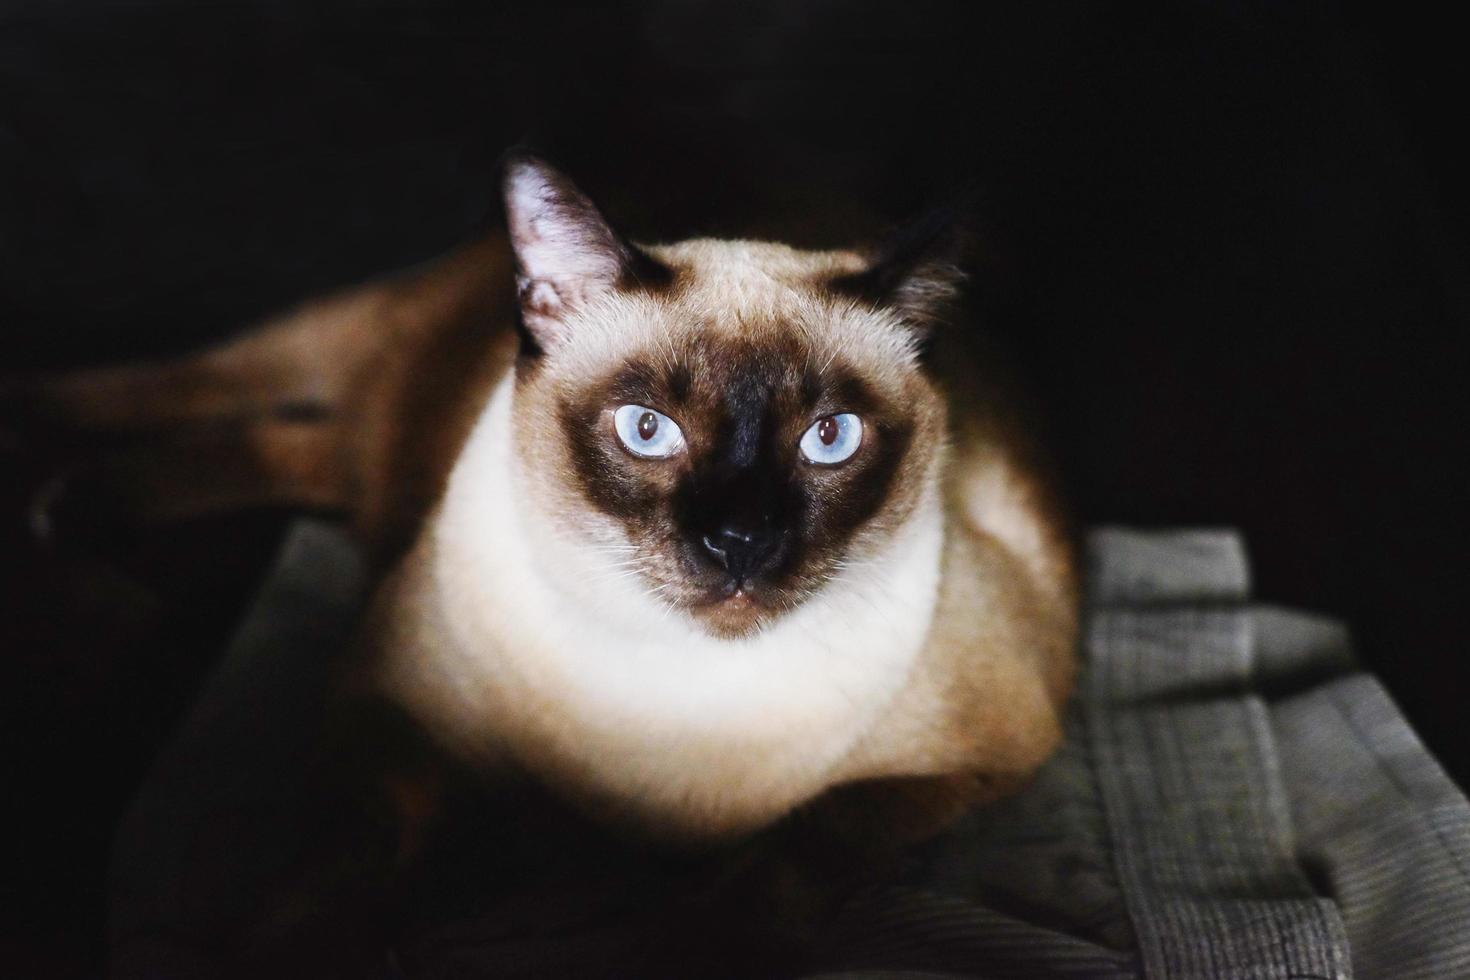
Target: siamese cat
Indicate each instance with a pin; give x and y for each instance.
(701, 540)
(737, 527)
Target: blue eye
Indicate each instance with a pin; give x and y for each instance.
(647, 433)
(833, 439)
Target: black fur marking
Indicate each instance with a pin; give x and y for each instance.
(679, 381)
(913, 268)
(745, 429)
(850, 393)
(638, 383)
(868, 490)
(744, 410)
(608, 482)
(642, 271)
(811, 389)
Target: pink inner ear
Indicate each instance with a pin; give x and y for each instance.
(558, 235)
(540, 298)
(565, 252)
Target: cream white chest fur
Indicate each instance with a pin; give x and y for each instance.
(534, 645)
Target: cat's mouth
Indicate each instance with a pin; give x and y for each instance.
(732, 602)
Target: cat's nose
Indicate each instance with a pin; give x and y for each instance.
(744, 552)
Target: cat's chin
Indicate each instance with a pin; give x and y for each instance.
(735, 615)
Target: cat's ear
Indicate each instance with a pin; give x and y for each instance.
(916, 270)
(566, 254)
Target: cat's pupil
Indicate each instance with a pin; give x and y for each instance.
(647, 426)
(827, 430)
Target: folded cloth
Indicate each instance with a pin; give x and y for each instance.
(1235, 799)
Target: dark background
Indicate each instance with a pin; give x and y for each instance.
(1227, 241)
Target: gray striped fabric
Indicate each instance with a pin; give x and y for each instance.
(1189, 773)
(1234, 800)
(1272, 812)
(1377, 822)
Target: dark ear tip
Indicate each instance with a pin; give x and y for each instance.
(943, 232)
(918, 268)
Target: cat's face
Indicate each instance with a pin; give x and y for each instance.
(730, 425)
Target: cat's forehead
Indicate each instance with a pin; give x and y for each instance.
(732, 305)
(748, 271)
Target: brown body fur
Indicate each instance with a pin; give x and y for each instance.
(361, 404)
(325, 409)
